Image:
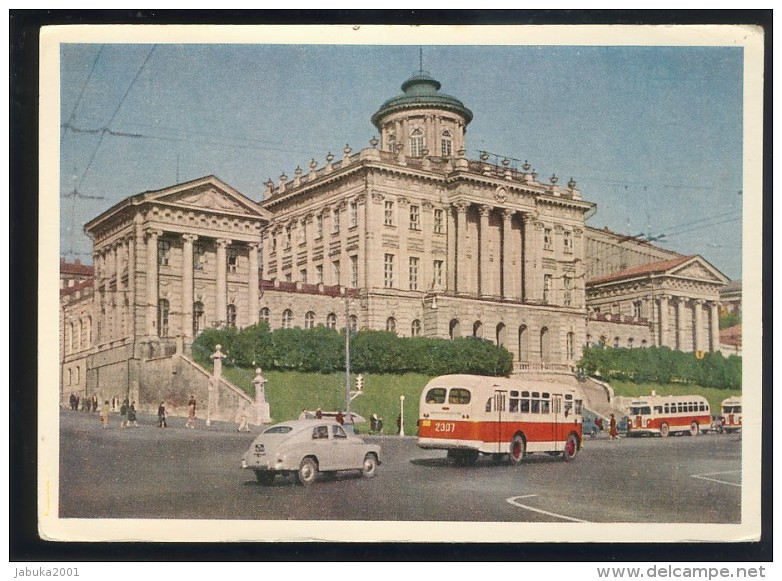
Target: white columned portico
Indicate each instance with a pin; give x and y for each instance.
(461, 244)
(508, 287)
(220, 301)
(484, 283)
(152, 280)
(714, 325)
(697, 324)
(663, 330)
(187, 284)
(680, 323)
(252, 281)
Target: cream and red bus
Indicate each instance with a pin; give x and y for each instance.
(670, 414)
(731, 414)
(468, 415)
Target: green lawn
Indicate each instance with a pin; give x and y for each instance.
(714, 395)
(289, 391)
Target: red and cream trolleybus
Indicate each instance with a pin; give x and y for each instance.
(671, 414)
(730, 414)
(468, 415)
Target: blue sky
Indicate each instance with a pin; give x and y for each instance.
(652, 135)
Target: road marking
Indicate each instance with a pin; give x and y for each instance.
(512, 500)
(708, 474)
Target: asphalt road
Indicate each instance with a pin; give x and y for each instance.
(149, 472)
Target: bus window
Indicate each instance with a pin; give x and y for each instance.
(459, 395)
(545, 404)
(641, 410)
(667, 408)
(568, 406)
(535, 402)
(579, 406)
(691, 407)
(658, 409)
(436, 395)
(513, 405)
(525, 403)
(701, 407)
(488, 404)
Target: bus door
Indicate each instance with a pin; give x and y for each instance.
(500, 413)
(557, 420)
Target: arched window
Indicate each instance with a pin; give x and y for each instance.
(391, 325)
(501, 335)
(570, 346)
(163, 309)
(309, 320)
(353, 323)
(616, 342)
(392, 143)
(630, 343)
(331, 321)
(230, 316)
(643, 343)
(198, 318)
(446, 144)
(89, 330)
(264, 315)
(453, 329)
(415, 328)
(545, 345)
(477, 329)
(523, 343)
(287, 319)
(417, 143)
(71, 338)
(84, 331)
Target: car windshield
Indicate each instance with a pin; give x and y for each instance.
(278, 430)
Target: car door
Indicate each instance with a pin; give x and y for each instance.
(344, 450)
(321, 447)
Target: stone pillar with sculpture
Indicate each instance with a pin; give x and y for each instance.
(260, 406)
(212, 407)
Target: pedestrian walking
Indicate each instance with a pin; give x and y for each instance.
(123, 412)
(132, 415)
(191, 411)
(318, 414)
(104, 415)
(612, 430)
(161, 416)
(303, 414)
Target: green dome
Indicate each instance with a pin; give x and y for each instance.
(421, 91)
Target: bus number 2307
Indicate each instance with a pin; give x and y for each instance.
(444, 427)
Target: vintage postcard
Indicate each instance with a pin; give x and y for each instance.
(393, 283)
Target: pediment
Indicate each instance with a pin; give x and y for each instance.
(209, 195)
(698, 269)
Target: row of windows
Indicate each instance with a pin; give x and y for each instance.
(418, 143)
(287, 319)
(682, 407)
(336, 271)
(414, 269)
(199, 255)
(616, 343)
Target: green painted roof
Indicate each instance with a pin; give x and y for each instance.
(421, 91)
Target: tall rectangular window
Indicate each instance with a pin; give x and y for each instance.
(567, 284)
(437, 277)
(303, 276)
(287, 238)
(388, 213)
(439, 221)
(547, 282)
(335, 221)
(319, 226)
(637, 309)
(415, 217)
(388, 270)
(163, 252)
(548, 239)
(335, 271)
(199, 256)
(232, 259)
(417, 143)
(353, 214)
(446, 144)
(302, 232)
(567, 242)
(319, 274)
(354, 271)
(414, 262)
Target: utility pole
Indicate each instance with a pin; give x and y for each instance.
(349, 418)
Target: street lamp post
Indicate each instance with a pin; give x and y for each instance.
(401, 415)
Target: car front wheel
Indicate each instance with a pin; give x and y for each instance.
(308, 471)
(370, 466)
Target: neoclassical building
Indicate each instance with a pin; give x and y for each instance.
(406, 235)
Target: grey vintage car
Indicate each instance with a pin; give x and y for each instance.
(307, 447)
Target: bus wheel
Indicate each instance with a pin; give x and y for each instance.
(664, 430)
(571, 448)
(469, 457)
(518, 449)
(694, 429)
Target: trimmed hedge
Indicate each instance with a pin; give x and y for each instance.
(662, 365)
(323, 350)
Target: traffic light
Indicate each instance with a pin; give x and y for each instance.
(359, 383)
